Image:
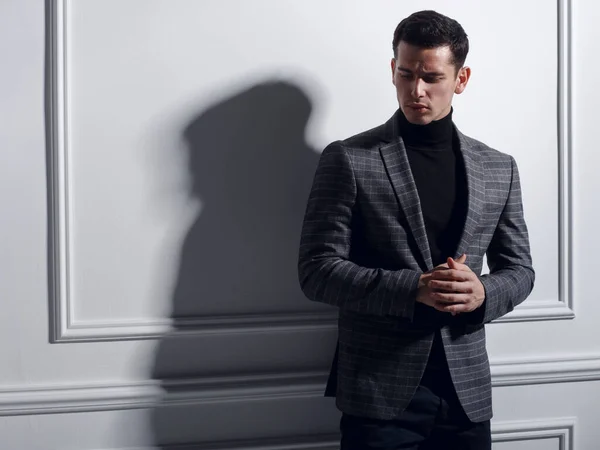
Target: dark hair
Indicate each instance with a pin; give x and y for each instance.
(430, 29)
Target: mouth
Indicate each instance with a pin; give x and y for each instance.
(418, 107)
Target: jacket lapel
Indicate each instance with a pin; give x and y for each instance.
(398, 169)
(476, 192)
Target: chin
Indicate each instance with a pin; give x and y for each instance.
(417, 118)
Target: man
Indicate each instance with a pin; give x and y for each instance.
(396, 227)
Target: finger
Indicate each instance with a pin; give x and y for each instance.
(454, 264)
(451, 286)
(450, 297)
(440, 267)
(455, 308)
(460, 260)
(451, 274)
(427, 277)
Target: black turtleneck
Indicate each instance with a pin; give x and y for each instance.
(438, 169)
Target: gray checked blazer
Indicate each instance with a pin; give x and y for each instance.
(364, 246)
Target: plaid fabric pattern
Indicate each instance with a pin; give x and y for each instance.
(364, 246)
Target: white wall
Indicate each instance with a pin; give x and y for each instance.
(156, 157)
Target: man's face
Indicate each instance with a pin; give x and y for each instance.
(425, 81)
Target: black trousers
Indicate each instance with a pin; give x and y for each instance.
(433, 420)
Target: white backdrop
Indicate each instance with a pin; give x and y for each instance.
(138, 139)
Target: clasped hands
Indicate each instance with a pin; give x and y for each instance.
(451, 287)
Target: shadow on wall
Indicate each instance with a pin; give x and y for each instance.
(252, 170)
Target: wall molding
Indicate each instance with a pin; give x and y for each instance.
(562, 429)
(540, 311)
(148, 393)
(53, 399)
(61, 399)
(65, 327)
(75, 331)
(523, 372)
(316, 442)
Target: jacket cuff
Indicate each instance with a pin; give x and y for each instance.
(403, 294)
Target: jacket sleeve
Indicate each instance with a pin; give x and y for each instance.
(511, 276)
(325, 272)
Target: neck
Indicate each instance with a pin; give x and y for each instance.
(435, 135)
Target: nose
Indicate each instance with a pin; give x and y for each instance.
(418, 88)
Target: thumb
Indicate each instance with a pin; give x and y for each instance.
(453, 264)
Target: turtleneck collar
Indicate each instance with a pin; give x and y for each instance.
(436, 135)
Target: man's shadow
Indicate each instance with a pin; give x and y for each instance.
(251, 170)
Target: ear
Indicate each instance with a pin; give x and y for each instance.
(462, 79)
(393, 64)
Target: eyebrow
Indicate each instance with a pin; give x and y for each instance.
(429, 74)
